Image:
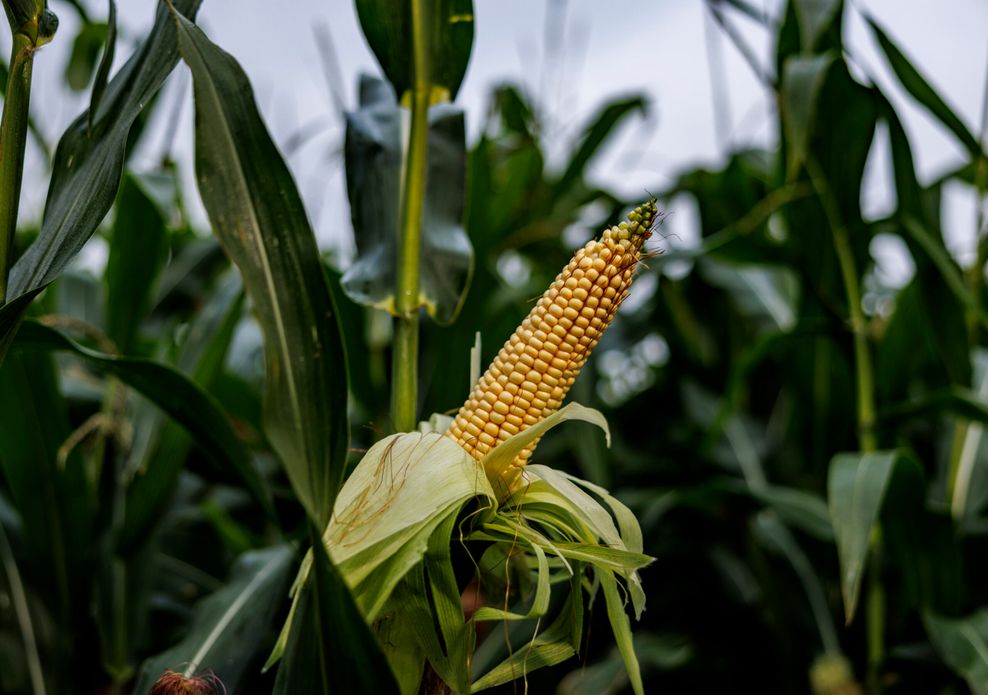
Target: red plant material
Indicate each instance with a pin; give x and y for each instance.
(172, 683)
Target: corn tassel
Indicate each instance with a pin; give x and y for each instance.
(537, 365)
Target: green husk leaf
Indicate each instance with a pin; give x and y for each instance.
(622, 630)
(497, 463)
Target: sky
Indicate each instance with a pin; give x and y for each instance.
(579, 53)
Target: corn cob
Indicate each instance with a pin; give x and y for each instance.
(537, 365)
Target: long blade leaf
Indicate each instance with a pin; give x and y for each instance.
(257, 215)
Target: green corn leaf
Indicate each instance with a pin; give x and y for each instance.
(922, 91)
(963, 643)
(230, 625)
(105, 63)
(815, 17)
(87, 168)
(256, 213)
(446, 38)
(856, 490)
(621, 627)
(599, 132)
(138, 251)
(802, 81)
(546, 648)
(330, 648)
(163, 445)
(172, 392)
(374, 160)
(53, 501)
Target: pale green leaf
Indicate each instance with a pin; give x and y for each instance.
(498, 462)
(622, 629)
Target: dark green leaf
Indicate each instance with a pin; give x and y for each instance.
(256, 213)
(230, 626)
(373, 169)
(105, 63)
(172, 392)
(923, 92)
(963, 643)
(51, 496)
(165, 445)
(87, 167)
(447, 37)
(599, 132)
(856, 490)
(85, 49)
(330, 648)
(138, 249)
(940, 292)
(797, 508)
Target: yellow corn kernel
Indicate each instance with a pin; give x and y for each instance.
(546, 352)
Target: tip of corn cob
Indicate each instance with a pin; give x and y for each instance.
(530, 376)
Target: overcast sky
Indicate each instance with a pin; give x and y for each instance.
(593, 51)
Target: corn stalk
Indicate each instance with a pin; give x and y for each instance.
(31, 26)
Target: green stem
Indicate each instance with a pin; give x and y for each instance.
(859, 326)
(13, 136)
(406, 345)
(866, 412)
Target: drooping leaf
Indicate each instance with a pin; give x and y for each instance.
(256, 213)
(230, 625)
(856, 489)
(330, 648)
(446, 36)
(172, 392)
(545, 648)
(87, 167)
(374, 160)
(621, 627)
(498, 461)
(923, 92)
(963, 643)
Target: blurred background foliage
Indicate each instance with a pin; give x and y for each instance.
(736, 373)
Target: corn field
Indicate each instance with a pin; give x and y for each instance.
(533, 434)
